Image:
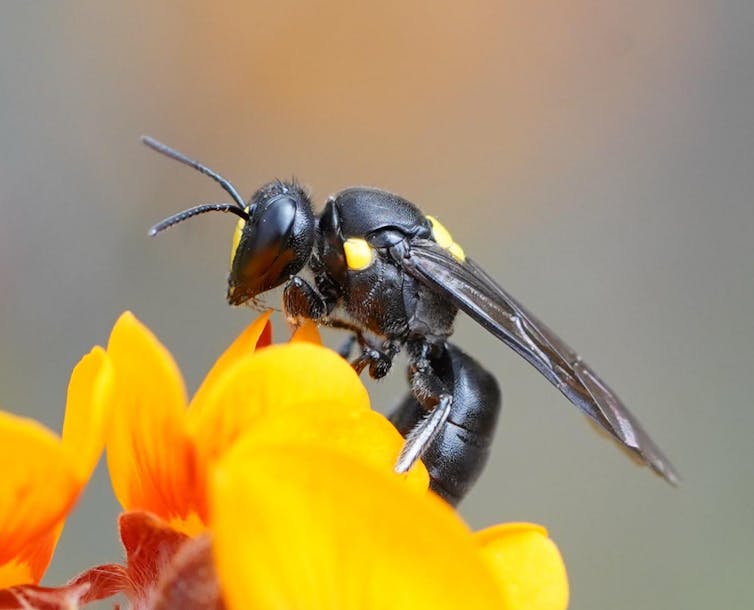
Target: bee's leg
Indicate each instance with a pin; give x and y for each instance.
(356, 335)
(423, 434)
(434, 397)
(379, 359)
(301, 301)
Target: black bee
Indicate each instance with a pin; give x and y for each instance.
(395, 279)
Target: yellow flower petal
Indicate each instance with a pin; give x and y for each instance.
(38, 485)
(150, 457)
(529, 569)
(365, 435)
(303, 527)
(281, 381)
(258, 332)
(88, 410)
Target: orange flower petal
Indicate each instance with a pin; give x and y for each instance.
(15, 573)
(32, 560)
(303, 527)
(281, 381)
(150, 458)
(257, 334)
(38, 485)
(529, 568)
(307, 332)
(88, 410)
(38, 554)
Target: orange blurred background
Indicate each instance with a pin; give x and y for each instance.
(595, 157)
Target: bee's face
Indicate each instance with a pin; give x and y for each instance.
(273, 244)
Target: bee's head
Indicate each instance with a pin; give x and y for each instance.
(273, 238)
(273, 243)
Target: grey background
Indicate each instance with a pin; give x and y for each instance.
(595, 157)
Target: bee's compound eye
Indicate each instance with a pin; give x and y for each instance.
(237, 236)
(359, 254)
(444, 239)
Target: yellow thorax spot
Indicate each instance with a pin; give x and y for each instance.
(237, 236)
(457, 252)
(359, 254)
(445, 240)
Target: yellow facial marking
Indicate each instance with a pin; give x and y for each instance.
(237, 237)
(359, 254)
(445, 240)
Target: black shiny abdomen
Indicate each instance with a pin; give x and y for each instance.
(457, 456)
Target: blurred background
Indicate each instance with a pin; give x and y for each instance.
(595, 157)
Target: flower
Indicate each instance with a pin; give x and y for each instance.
(301, 526)
(43, 475)
(529, 569)
(274, 487)
(280, 459)
(161, 448)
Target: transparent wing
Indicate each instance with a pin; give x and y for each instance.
(477, 294)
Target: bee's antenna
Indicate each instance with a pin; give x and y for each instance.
(174, 154)
(199, 209)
